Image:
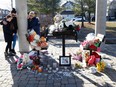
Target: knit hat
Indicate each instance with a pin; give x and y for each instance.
(13, 10)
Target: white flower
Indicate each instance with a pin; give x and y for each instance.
(33, 43)
(37, 37)
(31, 32)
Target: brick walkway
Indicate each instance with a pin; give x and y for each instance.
(10, 77)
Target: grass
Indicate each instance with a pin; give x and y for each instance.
(109, 25)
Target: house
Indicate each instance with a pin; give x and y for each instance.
(68, 5)
(68, 12)
(112, 10)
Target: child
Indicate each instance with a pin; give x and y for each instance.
(8, 34)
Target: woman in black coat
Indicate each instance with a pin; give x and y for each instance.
(8, 34)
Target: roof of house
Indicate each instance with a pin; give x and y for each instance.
(67, 12)
(68, 2)
(113, 4)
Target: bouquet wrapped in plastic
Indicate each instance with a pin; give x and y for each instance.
(36, 41)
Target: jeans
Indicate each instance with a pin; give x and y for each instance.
(14, 41)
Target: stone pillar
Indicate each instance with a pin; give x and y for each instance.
(21, 7)
(11, 4)
(100, 25)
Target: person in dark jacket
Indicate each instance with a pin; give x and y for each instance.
(15, 28)
(8, 34)
(33, 22)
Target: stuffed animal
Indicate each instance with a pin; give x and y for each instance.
(60, 24)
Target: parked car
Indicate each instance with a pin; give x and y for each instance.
(0, 17)
(112, 18)
(78, 19)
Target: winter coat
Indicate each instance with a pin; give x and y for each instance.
(34, 24)
(8, 33)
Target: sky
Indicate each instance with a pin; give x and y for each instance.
(6, 4)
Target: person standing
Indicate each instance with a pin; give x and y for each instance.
(8, 33)
(33, 22)
(15, 28)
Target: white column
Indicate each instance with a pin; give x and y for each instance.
(100, 26)
(21, 7)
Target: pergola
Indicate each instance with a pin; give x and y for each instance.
(21, 7)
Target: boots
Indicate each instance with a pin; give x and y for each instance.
(13, 51)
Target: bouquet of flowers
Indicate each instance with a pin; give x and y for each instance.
(36, 41)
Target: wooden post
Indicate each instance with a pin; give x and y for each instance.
(63, 45)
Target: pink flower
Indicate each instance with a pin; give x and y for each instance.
(85, 43)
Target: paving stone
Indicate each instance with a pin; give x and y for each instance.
(23, 82)
(30, 85)
(106, 78)
(70, 85)
(44, 78)
(16, 78)
(31, 75)
(64, 82)
(57, 81)
(22, 85)
(64, 78)
(62, 85)
(71, 81)
(79, 85)
(41, 85)
(15, 85)
(111, 85)
(32, 79)
(109, 81)
(49, 85)
(57, 84)
(0, 83)
(88, 81)
(42, 82)
(41, 79)
(78, 80)
(4, 85)
(33, 82)
(89, 85)
(50, 81)
(23, 77)
(5, 81)
(10, 86)
(2, 79)
(11, 82)
(100, 84)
